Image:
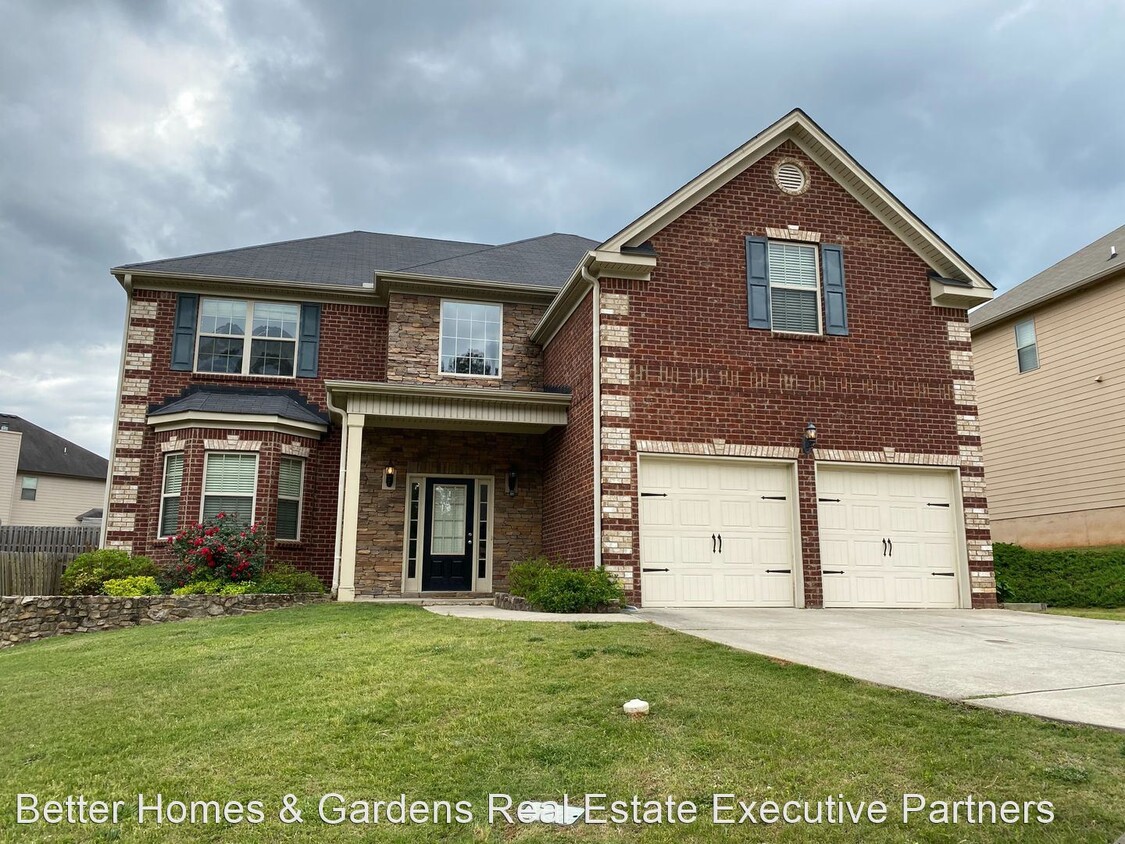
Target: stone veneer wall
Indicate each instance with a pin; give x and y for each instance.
(33, 617)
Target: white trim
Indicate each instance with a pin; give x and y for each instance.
(203, 485)
(165, 495)
(596, 377)
(300, 499)
(247, 337)
(441, 336)
(817, 289)
(239, 421)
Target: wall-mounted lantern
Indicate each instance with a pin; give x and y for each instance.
(389, 477)
(808, 443)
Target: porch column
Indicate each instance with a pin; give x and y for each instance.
(350, 522)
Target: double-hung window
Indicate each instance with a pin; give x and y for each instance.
(290, 486)
(247, 338)
(1027, 349)
(230, 481)
(470, 338)
(170, 493)
(29, 488)
(794, 287)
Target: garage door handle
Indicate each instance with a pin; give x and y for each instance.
(720, 543)
(654, 569)
(713, 543)
(884, 547)
(891, 548)
(829, 571)
(779, 571)
(942, 573)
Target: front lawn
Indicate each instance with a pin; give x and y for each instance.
(372, 702)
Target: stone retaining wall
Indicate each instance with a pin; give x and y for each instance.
(32, 617)
(507, 601)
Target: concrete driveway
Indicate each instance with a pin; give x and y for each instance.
(1069, 669)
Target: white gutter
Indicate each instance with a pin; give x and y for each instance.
(333, 409)
(127, 284)
(596, 332)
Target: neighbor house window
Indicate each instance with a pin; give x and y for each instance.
(170, 493)
(794, 287)
(470, 338)
(290, 484)
(28, 488)
(1027, 350)
(247, 338)
(229, 483)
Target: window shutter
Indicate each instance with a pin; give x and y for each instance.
(183, 337)
(835, 305)
(757, 282)
(308, 350)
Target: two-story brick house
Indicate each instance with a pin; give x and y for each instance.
(759, 393)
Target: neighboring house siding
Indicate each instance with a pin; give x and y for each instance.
(413, 337)
(9, 459)
(1054, 437)
(58, 500)
(352, 346)
(698, 379)
(568, 492)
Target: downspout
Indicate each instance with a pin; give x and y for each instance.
(333, 409)
(596, 332)
(127, 283)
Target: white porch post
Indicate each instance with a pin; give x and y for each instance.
(350, 523)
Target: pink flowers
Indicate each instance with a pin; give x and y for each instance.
(222, 549)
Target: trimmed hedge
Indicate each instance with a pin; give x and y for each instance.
(1075, 577)
(555, 587)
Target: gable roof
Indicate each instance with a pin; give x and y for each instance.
(1088, 265)
(799, 128)
(351, 259)
(44, 453)
(284, 405)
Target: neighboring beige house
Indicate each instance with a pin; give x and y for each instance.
(1050, 369)
(46, 480)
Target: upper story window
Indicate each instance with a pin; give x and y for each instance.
(247, 338)
(29, 487)
(471, 338)
(1027, 349)
(795, 287)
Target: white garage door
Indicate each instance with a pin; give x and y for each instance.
(888, 537)
(716, 533)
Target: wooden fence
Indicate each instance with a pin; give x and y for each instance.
(32, 559)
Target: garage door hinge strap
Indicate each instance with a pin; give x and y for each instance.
(779, 571)
(942, 573)
(654, 569)
(828, 571)
(932, 504)
(773, 497)
(827, 500)
(654, 495)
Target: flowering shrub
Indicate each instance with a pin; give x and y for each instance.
(222, 549)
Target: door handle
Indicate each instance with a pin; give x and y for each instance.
(720, 543)
(891, 548)
(712, 543)
(884, 547)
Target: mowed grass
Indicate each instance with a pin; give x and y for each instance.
(372, 702)
(1108, 614)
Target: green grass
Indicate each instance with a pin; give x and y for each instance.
(374, 701)
(1117, 614)
(1070, 577)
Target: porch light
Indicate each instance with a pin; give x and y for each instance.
(389, 477)
(512, 479)
(809, 441)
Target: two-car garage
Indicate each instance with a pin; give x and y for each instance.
(725, 532)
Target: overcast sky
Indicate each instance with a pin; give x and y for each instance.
(138, 130)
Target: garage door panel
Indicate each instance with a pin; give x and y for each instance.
(862, 517)
(908, 591)
(902, 518)
(705, 499)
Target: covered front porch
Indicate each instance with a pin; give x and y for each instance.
(442, 487)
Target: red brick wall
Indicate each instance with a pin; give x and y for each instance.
(568, 488)
(352, 346)
(698, 372)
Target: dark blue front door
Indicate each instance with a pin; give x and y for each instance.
(447, 558)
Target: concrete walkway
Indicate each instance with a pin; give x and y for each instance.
(497, 614)
(1060, 667)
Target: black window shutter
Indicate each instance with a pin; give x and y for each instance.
(835, 304)
(183, 337)
(757, 282)
(308, 350)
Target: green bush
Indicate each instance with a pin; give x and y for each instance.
(87, 574)
(555, 587)
(284, 579)
(131, 587)
(199, 587)
(1076, 577)
(239, 588)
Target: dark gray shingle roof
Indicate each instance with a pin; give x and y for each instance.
(44, 453)
(1073, 271)
(351, 258)
(284, 404)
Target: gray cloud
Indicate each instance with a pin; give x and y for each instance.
(142, 130)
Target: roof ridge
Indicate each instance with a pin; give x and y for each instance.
(497, 246)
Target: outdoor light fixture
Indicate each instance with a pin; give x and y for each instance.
(809, 441)
(389, 477)
(512, 478)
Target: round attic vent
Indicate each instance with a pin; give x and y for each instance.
(791, 177)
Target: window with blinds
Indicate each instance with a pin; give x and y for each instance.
(1027, 349)
(794, 292)
(170, 493)
(229, 483)
(290, 486)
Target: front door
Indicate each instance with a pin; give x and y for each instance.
(447, 559)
